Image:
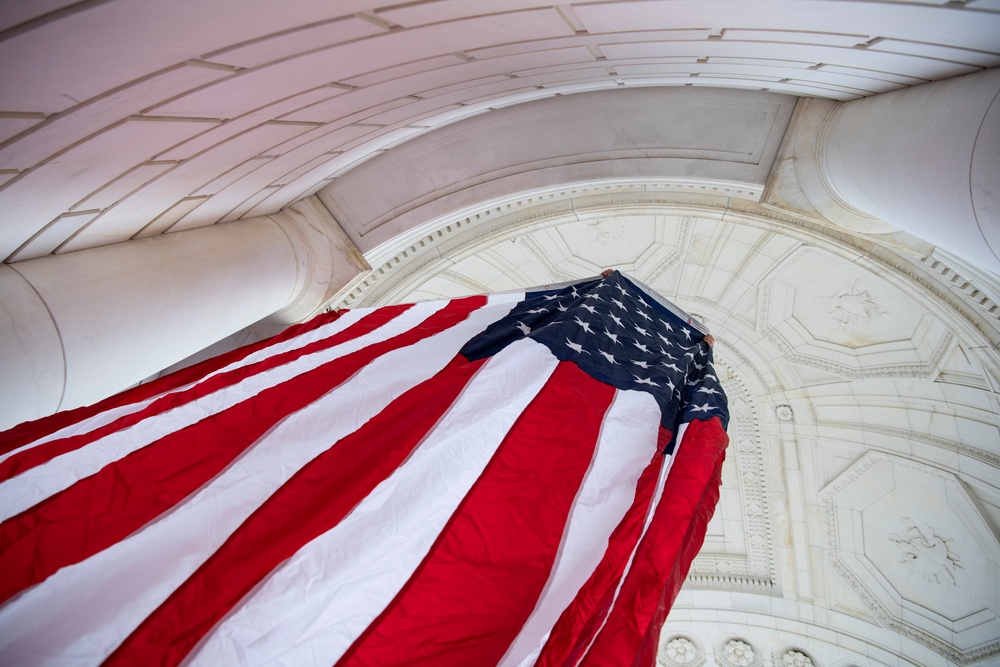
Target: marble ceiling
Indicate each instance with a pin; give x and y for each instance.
(857, 524)
(126, 119)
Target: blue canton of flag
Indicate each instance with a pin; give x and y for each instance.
(620, 335)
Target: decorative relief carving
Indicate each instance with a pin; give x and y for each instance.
(474, 285)
(530, 246)
(754, 254)
(773, 324)
(606, 231)
(738, 653)
(756, 571)
(925, 370)
(924, 548)
(926, 552)
(907, 434)
(784, 413)
(684, 234)
(852, 304)
(681, 650)
(796, 659)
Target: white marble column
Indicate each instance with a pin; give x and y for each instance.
(924, 159)
(78, 327)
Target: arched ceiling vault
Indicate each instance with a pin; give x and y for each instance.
(130, 118)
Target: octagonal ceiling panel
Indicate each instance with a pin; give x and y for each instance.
(610, 240)
(911, 542)
(846, 305)
(826, 312)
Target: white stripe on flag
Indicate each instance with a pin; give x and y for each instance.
(110, 415)
(661, 481)
(36, 484)
(83, 612)
(627, 443)
(318, 603)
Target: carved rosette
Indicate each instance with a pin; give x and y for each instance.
(795, 658)
(737, 653)
(681, 651)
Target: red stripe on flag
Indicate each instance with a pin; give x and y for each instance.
(30, 431)
(306, 506)
(106, 507)
(692, 544)
(29, 458)
(480, 581)
(670, 544)
(572, 633)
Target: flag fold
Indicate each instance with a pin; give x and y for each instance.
(516, 479)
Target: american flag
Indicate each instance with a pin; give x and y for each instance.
(519, 479)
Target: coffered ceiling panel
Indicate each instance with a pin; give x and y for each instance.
(76, 71)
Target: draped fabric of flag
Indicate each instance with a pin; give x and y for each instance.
(519, 479)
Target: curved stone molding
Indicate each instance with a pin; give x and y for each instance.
(814, 341)
(790, 627)
(399, 264)
(755, 570)
(711, 137)
(812, 123)
(912, 544)
(326, 258)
